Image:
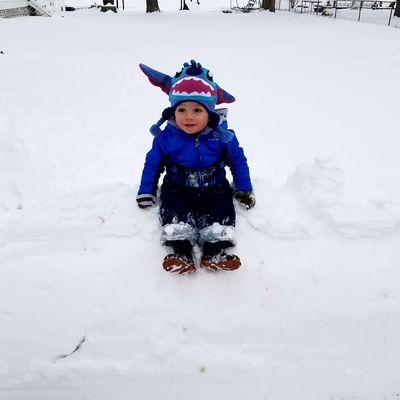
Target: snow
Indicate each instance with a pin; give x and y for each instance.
(314, 313)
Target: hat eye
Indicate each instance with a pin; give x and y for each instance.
(209, 75)
(179, 73)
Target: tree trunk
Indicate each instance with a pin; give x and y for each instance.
(152, 6)
(397, 10)
(270, 5)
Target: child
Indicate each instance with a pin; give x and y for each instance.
(194, 148)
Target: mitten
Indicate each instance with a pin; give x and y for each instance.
(246, 199)
(146, 200)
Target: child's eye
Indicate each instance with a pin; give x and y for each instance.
(181, 110)
(198, 110)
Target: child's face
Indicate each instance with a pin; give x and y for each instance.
(191, 117)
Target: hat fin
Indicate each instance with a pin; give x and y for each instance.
(156, 78)
(224, 96)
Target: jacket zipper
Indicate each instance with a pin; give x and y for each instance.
(200, 176)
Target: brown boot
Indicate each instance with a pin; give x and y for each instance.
(227, 262)
(180, 264)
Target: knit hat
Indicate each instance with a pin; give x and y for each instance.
(192, 83)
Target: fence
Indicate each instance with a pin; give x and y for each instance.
(354, 8)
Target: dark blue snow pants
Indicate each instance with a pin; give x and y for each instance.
(197, 207)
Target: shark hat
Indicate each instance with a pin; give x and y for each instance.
(192, 83)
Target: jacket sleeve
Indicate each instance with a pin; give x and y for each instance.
(153, 167)
(238, 164)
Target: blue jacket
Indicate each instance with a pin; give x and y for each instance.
(175, 148)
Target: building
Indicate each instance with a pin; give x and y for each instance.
(14, 8)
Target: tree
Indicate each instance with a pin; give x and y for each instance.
(184, 5)
(152, 6)
(397, 10)
(270, 5)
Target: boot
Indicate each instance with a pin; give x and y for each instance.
(215, 258)
(178, 263)
(181, 260)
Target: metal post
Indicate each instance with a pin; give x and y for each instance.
(390, 16)
(317, 7)
(123, 4)
(301, 11)
(359, 11)
(335, 5)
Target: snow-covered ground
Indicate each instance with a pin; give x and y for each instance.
(315, 311)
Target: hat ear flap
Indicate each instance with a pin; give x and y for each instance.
(224, 96)
(213, 120)
(168, 113)
(157, 78)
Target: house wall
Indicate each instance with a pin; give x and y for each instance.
(13, 8)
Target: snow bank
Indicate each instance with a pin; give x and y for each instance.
(316, 197)
(10, 165)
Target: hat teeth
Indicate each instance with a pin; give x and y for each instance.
(201, 94)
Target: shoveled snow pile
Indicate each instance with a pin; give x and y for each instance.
(86, 311)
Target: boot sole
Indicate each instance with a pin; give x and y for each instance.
(174, 264)
(228, 265)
